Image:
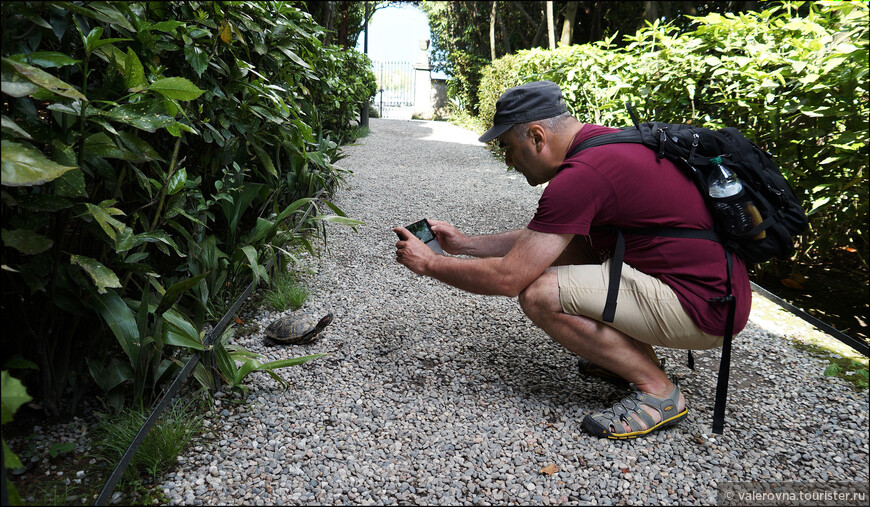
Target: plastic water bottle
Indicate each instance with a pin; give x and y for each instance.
(736, 214)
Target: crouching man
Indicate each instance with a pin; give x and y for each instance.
(559, 265)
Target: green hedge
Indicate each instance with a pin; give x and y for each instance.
(155, 155)
(795, 85)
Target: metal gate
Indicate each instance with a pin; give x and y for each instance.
(395, 97)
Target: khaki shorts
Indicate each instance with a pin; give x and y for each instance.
(647, 309)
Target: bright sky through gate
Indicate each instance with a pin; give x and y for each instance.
(395, 33)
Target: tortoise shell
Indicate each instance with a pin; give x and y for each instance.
(296, 328)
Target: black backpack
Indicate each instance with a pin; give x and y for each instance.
(691, 148)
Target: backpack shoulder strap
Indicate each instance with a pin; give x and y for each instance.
(629, 135)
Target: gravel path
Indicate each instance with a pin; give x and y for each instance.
(430, 395)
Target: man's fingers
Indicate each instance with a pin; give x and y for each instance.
(401, 231)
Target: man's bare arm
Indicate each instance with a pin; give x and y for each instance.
(532, 253)
(485, 245)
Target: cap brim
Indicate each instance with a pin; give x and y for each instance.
(494, 132)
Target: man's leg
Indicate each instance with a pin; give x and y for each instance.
(595, 341)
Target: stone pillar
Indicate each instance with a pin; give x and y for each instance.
(423, 83)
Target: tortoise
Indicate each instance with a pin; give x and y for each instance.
(295, 329)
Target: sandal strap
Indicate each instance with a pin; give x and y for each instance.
(666, 407)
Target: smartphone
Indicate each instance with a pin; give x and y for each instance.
(424, 233)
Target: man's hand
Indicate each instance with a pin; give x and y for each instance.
(411, 252)
(451, 240)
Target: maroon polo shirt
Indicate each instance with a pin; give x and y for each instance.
(625, 185)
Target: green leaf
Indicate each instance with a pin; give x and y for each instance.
(46, 59)
(143, 151)
(124, 240)
(177, 88)
(12, 396)
(251, 253)
(180, 332)
(166, 26)
(159, 237)
(265, 159)
(282, 363)
(225, 364)
(101, 145)
(339, 220)
(111, 226)
(101, 11)
(120, 320)
(107, 12)
(45, 80)
(261, 230)
(197, 58)
(293, 56)
(26, 166)
(11, 461)
(176, 182)
(176, 128)
(19, 363)
(71, 184)
(148, 116)
(12, 128)
(135, 72)
(62, 153)
(102, 276)
(334, 208)
(175, 291)
(25, 241)
(14, 84)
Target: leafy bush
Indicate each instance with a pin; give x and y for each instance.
(797, 86)
(155, 154)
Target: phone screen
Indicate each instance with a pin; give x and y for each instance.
(424, 233)
(422, 230)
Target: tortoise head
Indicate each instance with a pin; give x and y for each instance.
(325, 321)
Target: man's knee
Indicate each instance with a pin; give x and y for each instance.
(542, 295)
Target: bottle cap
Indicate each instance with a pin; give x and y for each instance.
(716, 160)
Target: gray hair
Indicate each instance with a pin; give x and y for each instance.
(554, 124)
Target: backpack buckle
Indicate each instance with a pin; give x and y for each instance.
(663, 138)
(696, 140)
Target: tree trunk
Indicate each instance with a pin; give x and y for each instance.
(568, 24)
(650, 11)
(595, 31)
(666, 11)
(328, 15)
(504, 35)
(344, 9)
(551, 30)
(539, 34)
(492, 15)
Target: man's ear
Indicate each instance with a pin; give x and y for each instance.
(539, 135)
